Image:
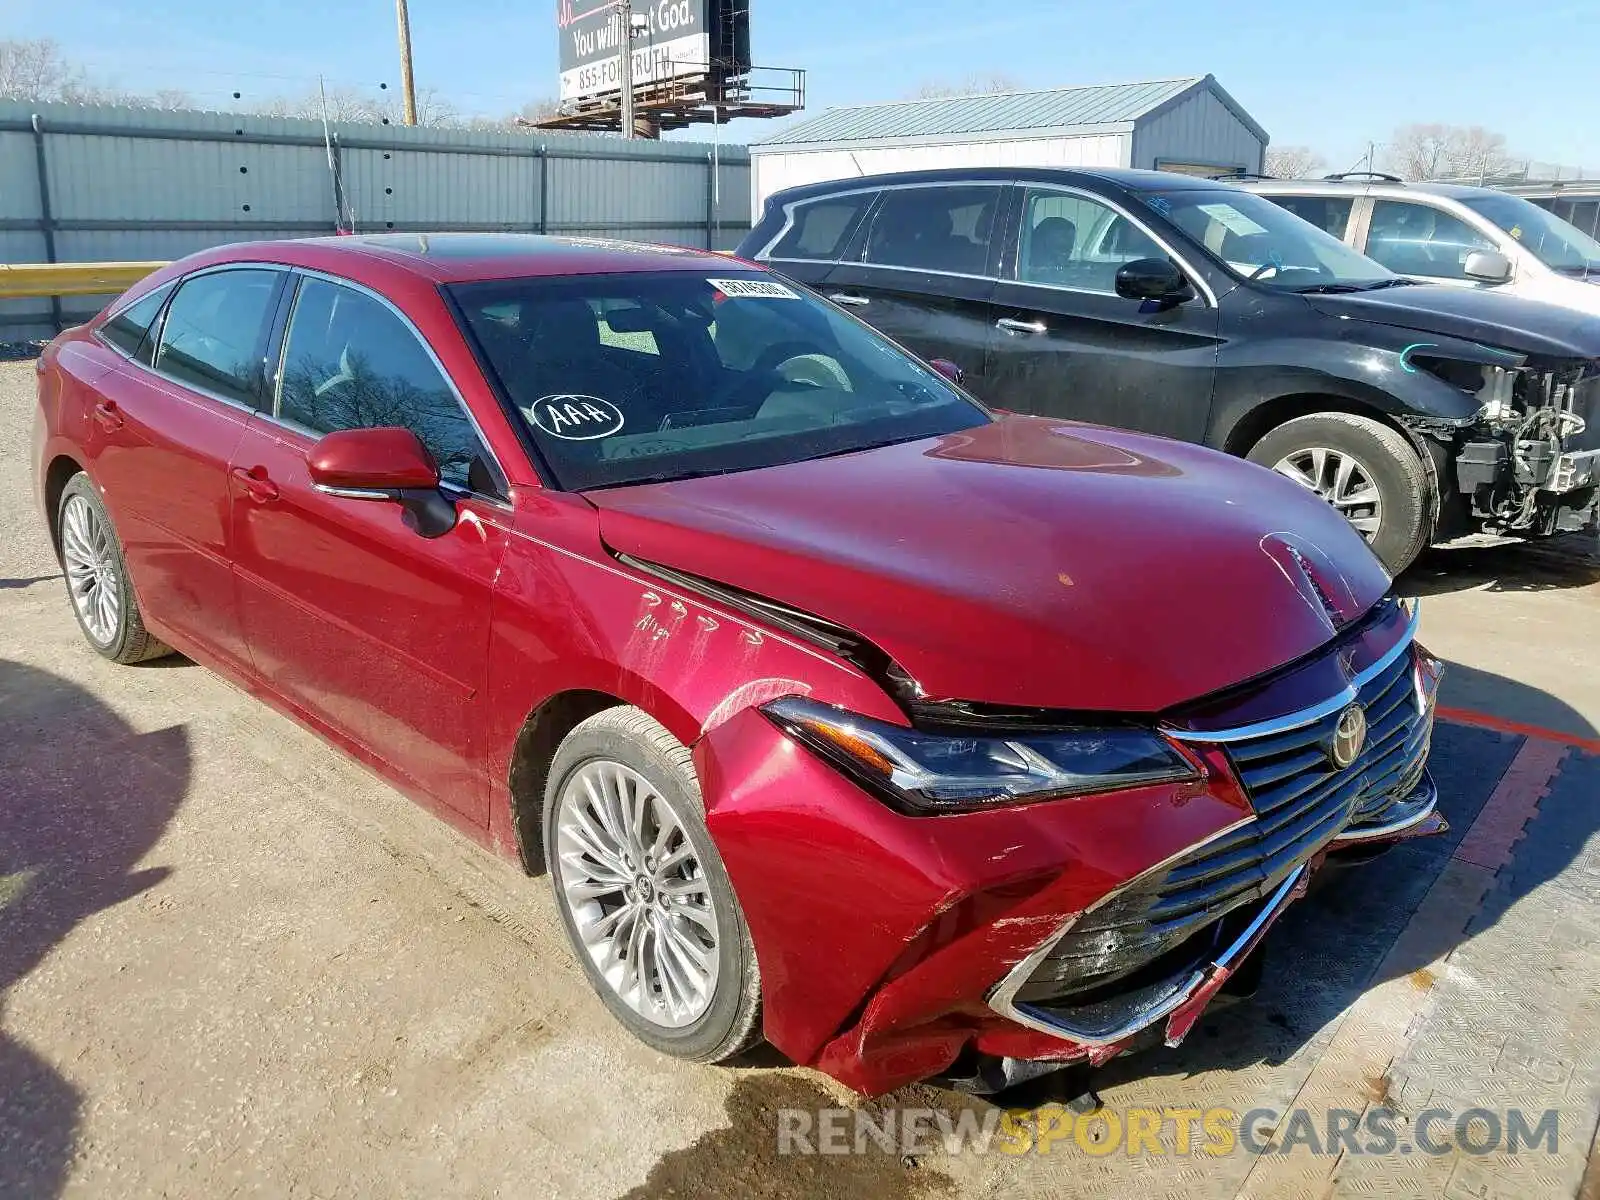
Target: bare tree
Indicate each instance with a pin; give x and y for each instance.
(1419, 151)
(1293, 162)
(1478, 153)
(534, 111)
(35, 70)
(972, 85)
(352, 106)
(1438, 151)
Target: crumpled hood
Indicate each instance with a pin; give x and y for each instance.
(1495, 319)
(1029, 562)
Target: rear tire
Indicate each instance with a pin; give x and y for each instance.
(1367, 470)
(98, 585)
(645, 900)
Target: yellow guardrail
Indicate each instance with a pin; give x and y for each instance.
(20, 280)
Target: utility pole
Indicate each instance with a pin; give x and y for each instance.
(408, 86)
(625, 9)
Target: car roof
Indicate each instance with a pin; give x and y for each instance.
(470, 257)
(1451, 191)
(1124, 177)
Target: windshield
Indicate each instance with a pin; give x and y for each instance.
(1551, 240)
(631, 378)
(1258, 241)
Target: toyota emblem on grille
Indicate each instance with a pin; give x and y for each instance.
(1349, 737)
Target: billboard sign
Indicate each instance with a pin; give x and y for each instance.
(673, 41)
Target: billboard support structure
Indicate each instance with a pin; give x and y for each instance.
(672, 64)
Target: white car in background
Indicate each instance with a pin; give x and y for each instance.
(1451, 233)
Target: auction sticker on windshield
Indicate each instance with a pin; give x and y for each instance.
(1231, 219)
(576, 418)
(753, 289)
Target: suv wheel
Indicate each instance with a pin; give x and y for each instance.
(1366, 470)
(642, 891)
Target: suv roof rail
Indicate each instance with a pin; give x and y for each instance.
(1341, 176)
(1241, 175)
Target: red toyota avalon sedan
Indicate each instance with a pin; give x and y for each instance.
(915, 738)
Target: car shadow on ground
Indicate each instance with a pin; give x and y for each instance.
(1336, 943)
(1570, 561)
(83, 798)
(7, 585)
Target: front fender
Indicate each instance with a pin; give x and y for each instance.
(1375, 370)
(569, 617)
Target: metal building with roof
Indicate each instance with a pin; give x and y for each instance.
(1188, 124)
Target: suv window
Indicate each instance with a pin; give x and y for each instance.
(1331, 214)
(129, 330)
(1414, 239)
(935, 229)
(215, 332)
(1076, 242)
(351, 363)
(821, 229)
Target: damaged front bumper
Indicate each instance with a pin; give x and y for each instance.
(895, 948)
(1105, 1028)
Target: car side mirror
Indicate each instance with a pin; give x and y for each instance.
(1487, 266)
(389, 465)
(949, 370)
(1153, 279)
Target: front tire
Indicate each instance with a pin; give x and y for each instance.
(97, 578)
(642, 892)
(1365, 469)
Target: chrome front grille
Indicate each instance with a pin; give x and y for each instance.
(1289, 776)
(1301, 801)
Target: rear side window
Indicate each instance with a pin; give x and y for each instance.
(935, 229)
(820, 230)
(215, 332)
(1331, 214)
(351, 363)
(129, 330)
(1416, 239)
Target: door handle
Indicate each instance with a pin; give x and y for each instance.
(849, 301)
(256, 485)
(107, 415)
(1012, 325)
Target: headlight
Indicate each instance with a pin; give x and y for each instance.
(930, 773)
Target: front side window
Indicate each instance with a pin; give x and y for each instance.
(351, 363)
(626, 378)
(820, 230)
(1257, 241)
(1331, 214)
(216, 330)
(129, 330)
(949, 229)
(1554, 241)
(1415, 239)
(1076, 242)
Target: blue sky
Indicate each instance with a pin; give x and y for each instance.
(1330, 75)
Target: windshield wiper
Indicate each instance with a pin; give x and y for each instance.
(1323, 289)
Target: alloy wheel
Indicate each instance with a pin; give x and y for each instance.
(638, 896)
(93, 573)
(1340, 480)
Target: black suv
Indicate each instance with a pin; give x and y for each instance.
(1193, 309)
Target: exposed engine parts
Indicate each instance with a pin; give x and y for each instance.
(1533, 459)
